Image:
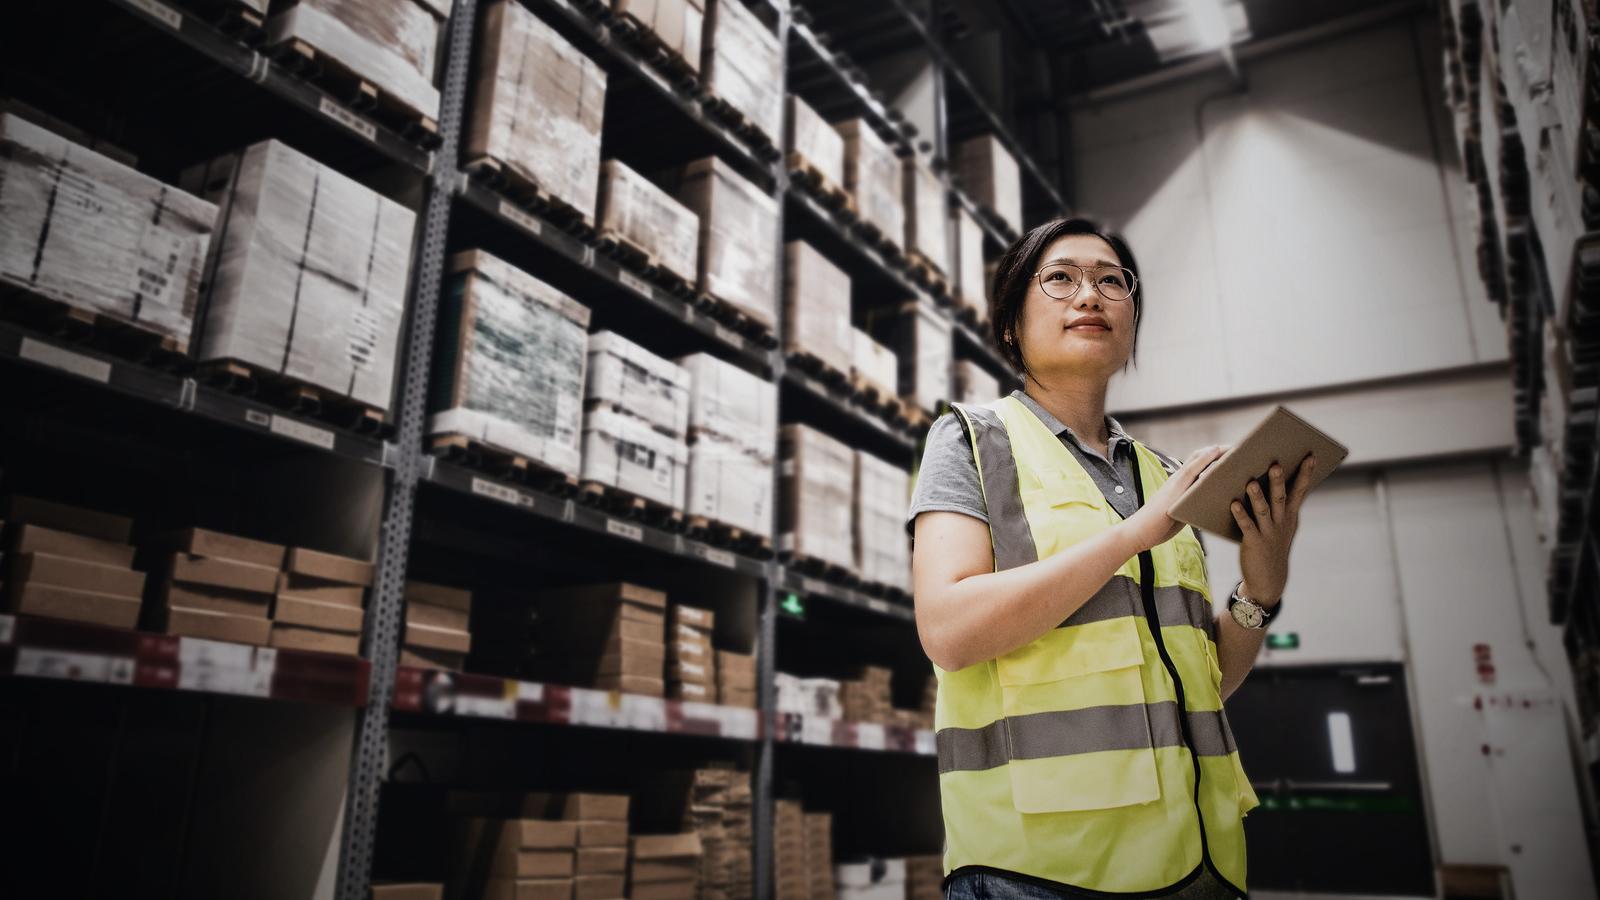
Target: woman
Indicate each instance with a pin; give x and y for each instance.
(1068, 616)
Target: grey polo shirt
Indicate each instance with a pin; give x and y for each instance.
(947, 479)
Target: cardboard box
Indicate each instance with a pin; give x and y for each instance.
(632, 684)
(744, 699)
(602, 860)
(730, 485)
(679, 24)
(743, 65)
(816, 307)
(974, 384)
(38, 539)
(534, 863)
(538, 106)
(817, 851)
(924, 338)
(577, 807)
(217, 600)
(736, 666)
(732, 404)
(438, 595)
(971, 278)
(696, 650)
(881, 549)
(690, 672)
(215, 626)
(738, 236)
(429, 637)
(815, 479)
(599, 887)
(295, 637)
(502, 888)
(407, 891)
(601, 833)
(511, 359)
(319, 591)
(224, 573)
(665, 846)
(81, 606)
(534, 834)
(691, 691)
(691, 617)
(207, 543)
(815, 142)
(79, 574)
(873, 364)
(667, 890)
(328, 567)
(925, 214)
(630, 378)
(607, 597)
(648, 218)
(613, 665)
(624, 452)
(63, 517)
(872, 176)
(291, 610)
(422, 658)
(990, 176)
(428, 614)
(392, 45)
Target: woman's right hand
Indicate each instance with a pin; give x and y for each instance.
(1151, 525)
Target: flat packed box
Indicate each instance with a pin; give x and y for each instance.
(93, 523)
(690, 616)
(508, 888)
(216, 599)
(974, 384)
(882, 551)
(647, 217)
(538, 106)
(294, 637)
(224, 573)
(738, 237)
(603, 833)
(512, 352)
(407, 891)
(328, 567)
(694, 649)
(310, 275)
(602, 860)
(421, 609)
(815, 143)
(736, 668)
(872, 364)
(872, 176)
(582, 806)
(971, 277)
(731, 403)
(991, 177)
(208, 543)
(77, 574)
(683, 670)
(422, 658)
(743, 65)
(924, 339)
(599, 887)
(215, 626)
(391, 44)
(438, 595)
(818, 853)
(691, 691)
(67, 603)
(679, 25)
(624, 452)
(515, 863)
(291, 610)
(925, 215)
(432, 638)
(815, 477)
(83, 229)
(631, 684)
(816, 307)
(626, 376)
(685, 889)
(307, 587)
(532, 834)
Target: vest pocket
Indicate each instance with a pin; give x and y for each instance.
(1191, 560)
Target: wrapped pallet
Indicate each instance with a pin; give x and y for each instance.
(626, 453)
(389, 43)
(872, 176)
(974, 384)
(538, 105)
(510, 365)
(626, 376)
(738, 237)
(814, 144)
(925, 215)
(731, 403)
(677, 24)
(732, 436)
(872, 365)
(882, 553)
(816, 307)
(80, 228)
(815, 478)
(970, 274)
(744, 65)
(991, 177)
(922, 338)
(310, 272)
(636, 212)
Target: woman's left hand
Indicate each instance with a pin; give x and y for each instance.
(1264, 551)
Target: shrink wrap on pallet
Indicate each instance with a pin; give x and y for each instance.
(390, 43)
(731, 403)
(537, 107)
(816, 308)
(816, 477)
(80, 228)
(814, 141)
(970, 274)
(974, 384)
(882, 554)
(744, 65)
(678, 24)
(629, 377)
(872, 364)
(648, 218)
(625, 452)
(309, 272)
(872, 176)
(510, 366)
(922, 337)
(738, 237)
(991, 177)
(925, 214)
(733, 432)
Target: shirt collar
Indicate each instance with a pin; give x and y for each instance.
(1057, 427)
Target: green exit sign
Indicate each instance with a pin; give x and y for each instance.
(1289, 640)
(793, 605)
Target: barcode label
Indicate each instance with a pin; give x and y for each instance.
(623, 529)
(720, 557)
(500, 492)
(161, 12)
(633, 281)
(65, 360)
(300, 431)
(257, 417)
(348, 119)
(528, 222)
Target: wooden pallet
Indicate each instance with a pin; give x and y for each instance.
(817, 368)
(92, 328)
(292, 394)
(473, 453)
(525, 192)
(917, 419)
(885, 591)
(879, 401)
(632, 506)
(719, 534)
(926, 274)
(235, 18)
(816, 568)
(737, 319)
(304, 61)
(811, 179)
(649, 46)
(759, 140)
(971, 317)
(627, 251)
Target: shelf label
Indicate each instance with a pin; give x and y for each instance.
(813, 586)
(594, 707)
(300, 431)
(65, 360)
(877, 606)
(161, 12)
(644, 713)
(348, 119)
(870, 736)
(521, 217)
(815, 730)
(257, 417)
(727, 334)
(720, 557)
(490, 489)
(37, 663)
(486, 707)
(223, 668)
(633, 281)
(738, 722)
(623, 529)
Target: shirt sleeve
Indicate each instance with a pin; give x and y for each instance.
(947, 480)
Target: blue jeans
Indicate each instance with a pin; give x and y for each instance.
(991, 886)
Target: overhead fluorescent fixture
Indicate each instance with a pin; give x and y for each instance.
(1183, 28)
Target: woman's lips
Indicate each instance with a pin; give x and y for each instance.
(1087, 328)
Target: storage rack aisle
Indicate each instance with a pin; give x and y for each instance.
(474, 536)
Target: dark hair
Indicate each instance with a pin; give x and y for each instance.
(1013, 273)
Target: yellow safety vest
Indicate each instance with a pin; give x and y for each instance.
(1066, 759)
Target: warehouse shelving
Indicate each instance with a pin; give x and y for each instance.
(793, 728)
(856, 97)
(791, 582)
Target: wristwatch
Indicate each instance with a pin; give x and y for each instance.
(1248, 613)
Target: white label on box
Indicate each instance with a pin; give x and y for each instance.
(486, 707)
(623, 529)
(257, 417)
(65, 360)
(870, 736)
(510, 211)
(300, 431)
(925, 742)
(631, 280)
(160, 12)
(727, 334)
(32, 661)
(221, 668)
(486, 488)
(348, 119)
(8, 629)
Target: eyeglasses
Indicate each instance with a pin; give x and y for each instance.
(1062, 281)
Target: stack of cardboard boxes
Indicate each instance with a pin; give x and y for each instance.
(924, 338)
(438, 626)
(871, 879)
(637, 413)
(791, 880)
(664, 866)
(635, 210)
(872, 365)
(816, 307)
(332, 622)
(882, 552)
(816, 480)
(691, 661)
(990, 175)
(732, 438)
(738, 237)
(808, 697)
(555, 846)
(814, 144)
(926, 217)
(739, 835)
(743, 65)
(392, 45)
(866, 699)
(606, 636)
(678, 24)
(819, 854)
(971, 278)
(872, 176)
(220, 586)
(602, 845)
(736, 679)
(407, 891)
(532, 859)
(924, 877)
(67, 562)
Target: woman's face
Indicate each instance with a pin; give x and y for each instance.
(1058, 336)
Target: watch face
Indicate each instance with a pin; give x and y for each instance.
(1247, 614)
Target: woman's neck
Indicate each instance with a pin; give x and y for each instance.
(1079, 406)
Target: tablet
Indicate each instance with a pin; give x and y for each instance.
(1281, 437)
